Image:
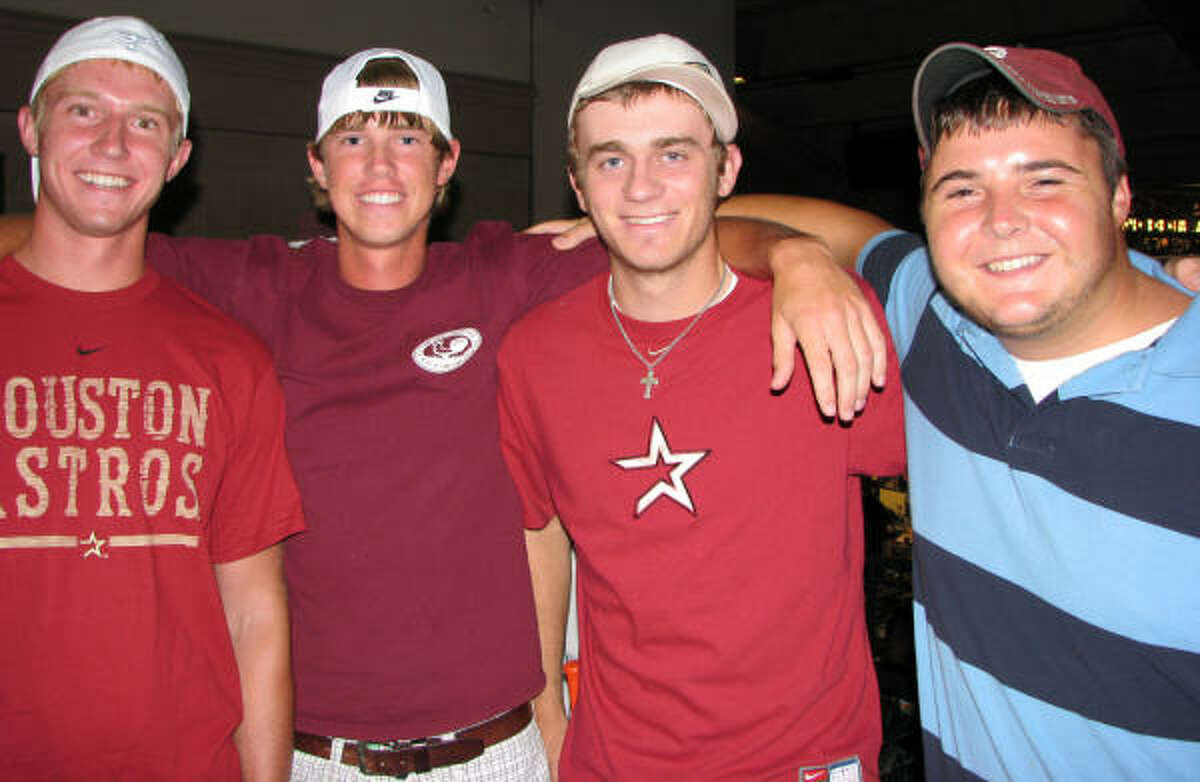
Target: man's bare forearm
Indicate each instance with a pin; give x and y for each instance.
(747, 243)
(844, 229)
(549, 551)
(255, 603)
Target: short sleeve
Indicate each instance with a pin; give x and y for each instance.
(529, 266)
(877, 434)
(257, 503)
(526, 462)
(896, 266)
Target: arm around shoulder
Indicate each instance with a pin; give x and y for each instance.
(844, 229)
(1186, 269)
(815, 303)
(15, 230)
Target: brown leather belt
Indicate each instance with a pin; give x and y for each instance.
(401, 758)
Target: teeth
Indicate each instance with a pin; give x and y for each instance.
(380, 198)
(1012, 264)
(648, 220)
(104, 180)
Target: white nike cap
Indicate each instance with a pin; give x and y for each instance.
(115, 38)
(664, 59)
(341, 95)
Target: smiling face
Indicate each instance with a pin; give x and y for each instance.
(105, 138)
(1025, 233)
(382, 182)
(648, 176)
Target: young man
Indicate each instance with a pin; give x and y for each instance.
(415, 644)
(413, 620)
(144, 488)
(1053, 432)
(718, 526)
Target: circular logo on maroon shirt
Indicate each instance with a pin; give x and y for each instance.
(447, 351)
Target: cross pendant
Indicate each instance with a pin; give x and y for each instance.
(648, 381)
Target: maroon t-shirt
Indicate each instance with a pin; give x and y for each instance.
(411, 605)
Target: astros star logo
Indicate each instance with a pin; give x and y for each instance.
(659, 453)
(97, 546)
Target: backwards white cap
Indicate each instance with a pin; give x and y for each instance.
(664, 59)
(341, 95)
(115, 38)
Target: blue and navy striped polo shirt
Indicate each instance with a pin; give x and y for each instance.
(1057, 555)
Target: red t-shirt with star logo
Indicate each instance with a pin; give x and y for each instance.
(719, 536)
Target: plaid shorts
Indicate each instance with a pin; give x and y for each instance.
(521, 758)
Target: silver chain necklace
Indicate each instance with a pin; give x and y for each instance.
(650, 380)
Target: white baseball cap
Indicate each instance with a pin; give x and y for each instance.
(341, 95)
(115, 38)
(664, 59)
(118, 38)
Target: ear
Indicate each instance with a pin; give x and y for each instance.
(1121, 200)
(28, 130)
(579, 197)
(180, 159)
(729, 171)
(317, 166)
(449, 163)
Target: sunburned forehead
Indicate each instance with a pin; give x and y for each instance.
(656, 117)
(108, 62)
(1035, 119)
(73, 79)
(1037, 142)
(640, 114)
(629, 95)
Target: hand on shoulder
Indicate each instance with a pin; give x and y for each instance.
(14, 232)
(1186, 269)
(568, 233)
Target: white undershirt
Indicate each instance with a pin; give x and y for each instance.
(733, 280)
(1043, 377)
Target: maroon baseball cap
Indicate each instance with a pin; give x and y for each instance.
(1050, 80)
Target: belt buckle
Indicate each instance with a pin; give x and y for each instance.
(412, 755)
